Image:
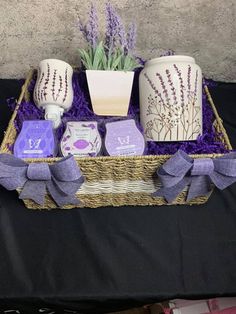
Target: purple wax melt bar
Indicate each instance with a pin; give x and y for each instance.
(123, 138)
(36, 140)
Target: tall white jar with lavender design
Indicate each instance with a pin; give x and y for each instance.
(171, 99)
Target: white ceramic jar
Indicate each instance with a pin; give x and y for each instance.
(53, 90)
(170, 90)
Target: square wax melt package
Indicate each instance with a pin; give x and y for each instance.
(36, 140)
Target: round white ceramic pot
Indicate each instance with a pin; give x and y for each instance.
(171, 99)
(53, 90)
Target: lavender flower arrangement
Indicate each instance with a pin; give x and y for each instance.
(115, 52)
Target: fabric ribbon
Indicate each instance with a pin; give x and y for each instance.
(181, 170)
(61, 179)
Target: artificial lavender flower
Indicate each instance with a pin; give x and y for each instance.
(122, 35)
(82, 27)
(131, 37)
(92, 26)
(90, 30)
(112, 27)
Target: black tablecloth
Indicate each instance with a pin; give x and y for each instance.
(96, 260)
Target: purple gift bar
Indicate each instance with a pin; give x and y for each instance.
(36, 140)
(123, 138)
(81, 139)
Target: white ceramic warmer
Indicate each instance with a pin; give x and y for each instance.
(171, 99)
(53, 90)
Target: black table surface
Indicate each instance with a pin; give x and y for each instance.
(97, 260)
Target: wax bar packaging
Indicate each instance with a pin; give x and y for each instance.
(123, 138)
(81, 139)
(36, 140)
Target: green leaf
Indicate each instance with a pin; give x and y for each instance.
(109, 62)
(82, 58)
(130, 63)
(104, 62)
(121, 64)
(116, 62)
(98, 56)
(85, 59)
(127, 63)
(90, 53)
(96, 59)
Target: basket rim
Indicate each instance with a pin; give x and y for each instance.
(120, 158)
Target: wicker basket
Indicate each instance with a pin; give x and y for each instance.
(115, 181)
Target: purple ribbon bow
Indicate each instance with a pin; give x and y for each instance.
(61, 179)
(181, 170)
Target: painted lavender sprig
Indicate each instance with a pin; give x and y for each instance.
(66, 86)
(189, 79)
(173, 90)
(164, 120)
(155, 89)
(195, 86)
(168, 52)
(184, 106)
(54, 83)
(164, 89)
(194, 108)
(40, 82)
(181, 84)
(46, 82)
(60, 87)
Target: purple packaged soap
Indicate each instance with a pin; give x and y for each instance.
(36, 140)
(123, 138)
